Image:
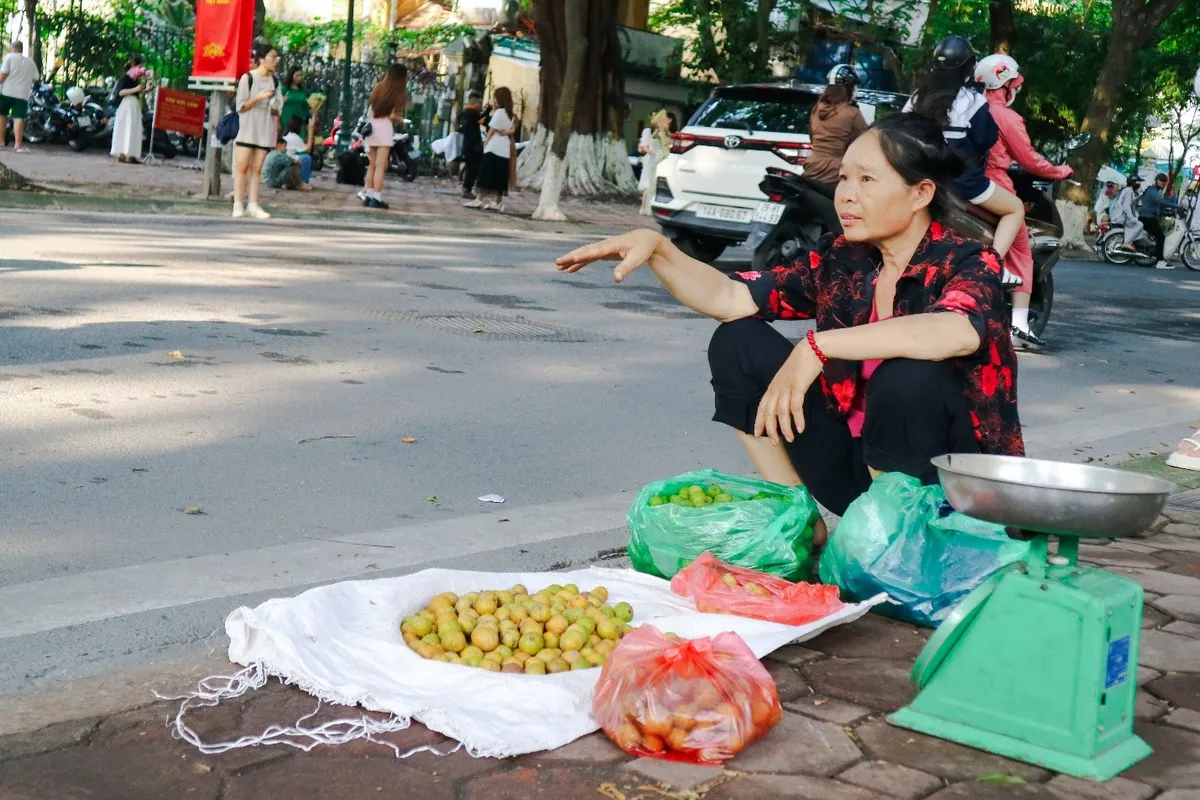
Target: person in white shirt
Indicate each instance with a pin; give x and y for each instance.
(499, 155)
(301, 149)
(18, 73)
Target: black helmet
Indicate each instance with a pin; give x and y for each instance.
(842, 75)
(1134, 181)
(954, 52)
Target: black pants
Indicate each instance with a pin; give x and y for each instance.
(471, 160)
(1154, 228)
(915, 411)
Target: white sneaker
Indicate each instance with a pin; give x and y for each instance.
(256, 211)
(1163, 265)
(238, 211)
(362, 196)
(473, 204)
(493, 206)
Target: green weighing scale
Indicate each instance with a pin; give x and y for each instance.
(1039, 663)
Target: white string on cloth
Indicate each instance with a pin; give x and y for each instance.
(212, 690)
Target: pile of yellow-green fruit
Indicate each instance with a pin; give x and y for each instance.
(509, 630)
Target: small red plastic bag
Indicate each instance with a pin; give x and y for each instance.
(694, 700)
(720, 588)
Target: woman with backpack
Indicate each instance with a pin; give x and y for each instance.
(258, 103)
(127, 128)
(969, 129)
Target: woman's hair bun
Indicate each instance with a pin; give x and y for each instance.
(916, 148)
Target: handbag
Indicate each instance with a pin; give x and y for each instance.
(365, 128)
(228, 126)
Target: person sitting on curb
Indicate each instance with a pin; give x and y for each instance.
(301, 149)
(281, 171)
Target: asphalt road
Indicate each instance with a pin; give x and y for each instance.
(268, 376)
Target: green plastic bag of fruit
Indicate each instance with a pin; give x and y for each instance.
(754, 524)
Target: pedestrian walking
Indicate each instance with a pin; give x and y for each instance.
(498, 155)
(127, 127)
(18, 73)
(469, 125)
(387, 104)
(654, 146)
(258, 104)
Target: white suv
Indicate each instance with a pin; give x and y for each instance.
(706, 191)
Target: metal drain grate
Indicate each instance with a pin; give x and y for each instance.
(491, 327)
(504, 327)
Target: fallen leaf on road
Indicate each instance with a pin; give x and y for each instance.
(432, 499)
(176, 354)
(819, 702)
(478, 330)
(193, 511)
(491, 498)
(1126, 391)
(408, 440)
(504, 519)
(1103, 360)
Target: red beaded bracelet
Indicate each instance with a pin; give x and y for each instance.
(812, 342)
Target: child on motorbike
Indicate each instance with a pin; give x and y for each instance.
(1001, 79)
(969, 129)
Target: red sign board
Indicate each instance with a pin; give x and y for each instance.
(224, 30)
(180, 111)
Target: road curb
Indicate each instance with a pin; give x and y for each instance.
(170, 209)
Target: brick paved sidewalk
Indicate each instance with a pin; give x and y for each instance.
(833, 743)
(94, 173)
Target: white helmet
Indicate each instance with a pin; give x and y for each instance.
(75, 95)
(996, 70)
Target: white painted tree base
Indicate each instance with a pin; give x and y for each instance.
(595, 164)
(1074, 218)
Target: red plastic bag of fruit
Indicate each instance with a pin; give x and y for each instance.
(720, 588)
(694, 700)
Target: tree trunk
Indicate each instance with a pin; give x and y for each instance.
(762, 37)
(574, 13)
(35, 33)
(1000, 18)
(260, 14)
(577, 146)
(1134, 23)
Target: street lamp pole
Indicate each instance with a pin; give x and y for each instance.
(347, 123)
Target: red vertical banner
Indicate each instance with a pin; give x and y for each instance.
(224, 29)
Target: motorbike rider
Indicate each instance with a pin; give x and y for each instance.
(967, 125)
(1001, 78)
(1123, 212)
(1154, 205)
(836, 122)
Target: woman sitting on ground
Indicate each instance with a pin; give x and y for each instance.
(911, 357)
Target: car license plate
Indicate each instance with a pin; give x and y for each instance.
(85, 122)
(769, 213)
(725, 213)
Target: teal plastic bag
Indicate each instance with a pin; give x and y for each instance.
(905, 539)
(770, 535)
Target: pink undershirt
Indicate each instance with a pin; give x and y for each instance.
(858, 411)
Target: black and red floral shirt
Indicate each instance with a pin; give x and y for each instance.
(835, 285)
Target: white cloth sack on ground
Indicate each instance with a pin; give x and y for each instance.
(342, 644)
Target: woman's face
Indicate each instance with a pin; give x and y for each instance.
(872, 200)
(271, 60)
(297, 77)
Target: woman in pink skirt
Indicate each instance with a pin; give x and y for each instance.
(389, 100)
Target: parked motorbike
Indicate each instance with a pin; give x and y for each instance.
(800, 210)
(74, 120)
(404, 155)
